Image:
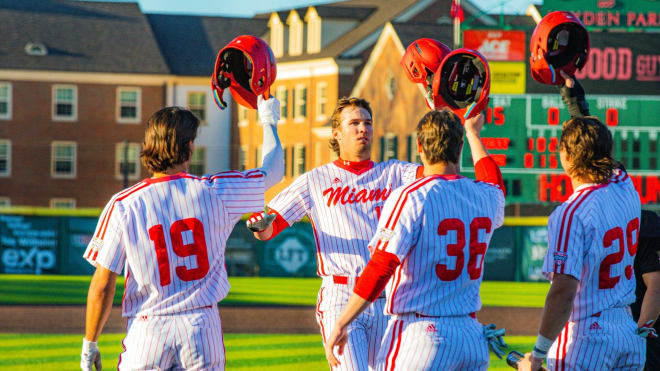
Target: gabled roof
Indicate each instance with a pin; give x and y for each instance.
(79, 36)
(409, 32)
(190, 44)
(353, 9)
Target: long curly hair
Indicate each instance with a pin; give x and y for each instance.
(588, 143)
(167, 138)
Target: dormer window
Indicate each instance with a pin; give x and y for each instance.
(295, 33)
(313, 30)
(38, 49)
(276, 35)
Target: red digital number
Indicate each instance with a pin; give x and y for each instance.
(540, 144)
(542, 161)
(612, 117)
(530, 144)
(528, 160)
(553, 161)
(605, 280)
(498, 112)
(196, 248)
(477, 249)
(554, 145)
(553, 116)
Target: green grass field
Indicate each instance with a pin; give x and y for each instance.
(267, 352)
(258, 291)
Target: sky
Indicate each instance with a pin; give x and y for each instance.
(247, 8)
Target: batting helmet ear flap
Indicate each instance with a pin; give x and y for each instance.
(462, 83)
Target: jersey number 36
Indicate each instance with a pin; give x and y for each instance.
(477, 249)
(196, 248)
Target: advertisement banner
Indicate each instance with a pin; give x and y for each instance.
(499, 262)
(28, 245)
(292, 253)
(77, 233)
(618, 63)
(610, 14)
(507, 77)
(497, 45)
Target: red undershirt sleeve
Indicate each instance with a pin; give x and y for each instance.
(487, 170)
(376, 274)
(279, 224)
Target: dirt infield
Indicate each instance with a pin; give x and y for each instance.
(71, 319)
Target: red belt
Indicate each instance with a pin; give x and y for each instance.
(419, 315)
(342, 280)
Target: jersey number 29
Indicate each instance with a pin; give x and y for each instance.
(196, 248)
(477, 249)
(605, 281)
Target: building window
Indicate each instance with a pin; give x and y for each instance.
(65, 103)
(413, 155)
(5, 101)
(300, 102)
(242, 158)
(321, 101)
(63, 160)
(128, 104)
(298, 159)
(242, 116)
(388, 146)
(197, 105)
(257, 156)
(5, 157)
(5, 202)
(63, 203)
(282, 94)
(198, 161)
(390, 86)
(127, 160)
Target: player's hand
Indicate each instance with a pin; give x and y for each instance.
(569, 82)
(647, 331)
(495, 339)
(257, 222)
(529, 363)
(269, 110)
(338, 338)
(90, 356)
(474, 124)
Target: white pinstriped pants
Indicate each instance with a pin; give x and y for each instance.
(364, 333)
(433, 343)
(605, 342)
(190, 340)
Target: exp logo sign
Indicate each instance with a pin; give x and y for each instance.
(496, 45)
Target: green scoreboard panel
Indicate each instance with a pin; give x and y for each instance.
(522, 134)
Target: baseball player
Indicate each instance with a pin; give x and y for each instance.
(592, 241)
(647, 289)
(431, 240)
(343, 200)
(168, 234)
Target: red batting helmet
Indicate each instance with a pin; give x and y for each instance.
(462, 83)
(421, 59)
(559, 42)
(247, 67)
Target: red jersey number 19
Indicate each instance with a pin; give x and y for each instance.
(477, 249)
(196, 248)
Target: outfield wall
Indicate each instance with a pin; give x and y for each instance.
(43, 241)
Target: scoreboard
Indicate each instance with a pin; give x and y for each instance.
(522, 133)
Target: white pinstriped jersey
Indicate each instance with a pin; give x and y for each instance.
(343, 206)
(169, 236)
(439, 227)
(593, 237)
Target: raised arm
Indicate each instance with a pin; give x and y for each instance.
(272, 159)
(573, 96)
(485, 167)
